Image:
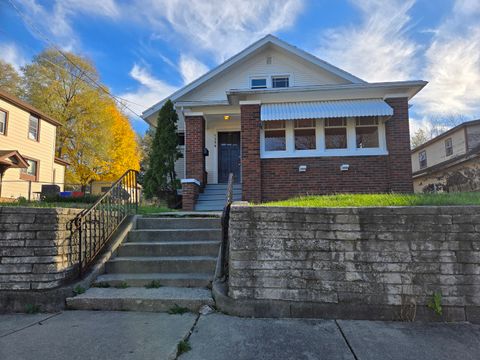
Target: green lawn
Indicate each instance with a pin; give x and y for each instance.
(359, 200)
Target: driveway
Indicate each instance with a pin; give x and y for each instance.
(131, 335)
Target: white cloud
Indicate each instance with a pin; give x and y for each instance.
(220, 27)
(378, 49)
(191, 68)
(453, 64)
(58, 27)
(150, 91)
(10, 53)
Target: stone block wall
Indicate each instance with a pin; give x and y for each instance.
(35, 248)
(357, 262)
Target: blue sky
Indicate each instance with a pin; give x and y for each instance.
(146, 49)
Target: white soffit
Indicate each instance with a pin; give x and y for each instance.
(324, 109)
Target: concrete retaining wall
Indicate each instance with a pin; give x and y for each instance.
(378, 263)
(35, 249)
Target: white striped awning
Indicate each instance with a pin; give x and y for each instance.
(325, 109)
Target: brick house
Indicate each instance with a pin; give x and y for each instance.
(286, 123)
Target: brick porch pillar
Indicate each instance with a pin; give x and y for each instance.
(251, 162)
(398, 145)
(194, 160)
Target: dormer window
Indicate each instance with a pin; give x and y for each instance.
(258, 83)
(280, 82)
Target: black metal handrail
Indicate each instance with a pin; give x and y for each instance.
(92, 228)
(225, 221)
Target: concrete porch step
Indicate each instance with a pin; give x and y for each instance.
(222, 186)
(141, 299)
(200, 280)
(170, 248)
(209, 206)
(217, 197)
(157, 223)
(158, 235)
(161, 264)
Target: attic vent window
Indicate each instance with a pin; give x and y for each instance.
(269, 60)
(259, 83)
(280, 81)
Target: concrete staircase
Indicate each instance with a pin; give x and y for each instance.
(165, 262)
(213, 197)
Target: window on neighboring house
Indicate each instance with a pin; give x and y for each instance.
(33, 128)
(304, 131)
(366, 130)
(258, 83)
(422, 159)
(30, 173)
(3, 122)
(181, 139)
(448, 147)
(336, 133)
(280, 81)
(274, 132)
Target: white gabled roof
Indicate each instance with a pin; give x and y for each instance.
(324, 109)
(269, 39)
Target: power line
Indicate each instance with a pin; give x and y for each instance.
(28, 23)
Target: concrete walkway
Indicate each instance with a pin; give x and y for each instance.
(130, 335)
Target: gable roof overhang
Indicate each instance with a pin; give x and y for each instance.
(27, 107)
(12, 159)
(250, 50)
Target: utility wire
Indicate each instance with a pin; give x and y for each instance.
(29, 24)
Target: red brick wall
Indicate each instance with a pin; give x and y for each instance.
(251, 162)
(194, 145)
(281, 179)
(189, 196)
(398, 144)
(274, 179)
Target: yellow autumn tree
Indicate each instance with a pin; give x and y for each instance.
(124, 152)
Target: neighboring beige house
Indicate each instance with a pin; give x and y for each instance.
(449, 162)
(27, 137)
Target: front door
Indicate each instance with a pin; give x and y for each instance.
(228, 156)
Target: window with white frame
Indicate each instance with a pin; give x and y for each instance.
(448, 147)
(33, 128)
(336, 133)
(366, 132)
(422, 159)
(3, 122)
(280, 81)
(305, 134)
(275, 135)
(258, 83)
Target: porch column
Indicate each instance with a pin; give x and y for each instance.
(398, 145)
(250, 140)
(194, 159)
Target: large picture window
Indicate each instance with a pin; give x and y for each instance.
(275, 139)
(336, 133)
(304, 132)
(366, 130)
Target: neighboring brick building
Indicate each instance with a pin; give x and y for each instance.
(286, 123)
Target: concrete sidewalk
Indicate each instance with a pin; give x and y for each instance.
(130, 335)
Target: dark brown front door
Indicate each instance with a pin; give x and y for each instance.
(228, 156)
